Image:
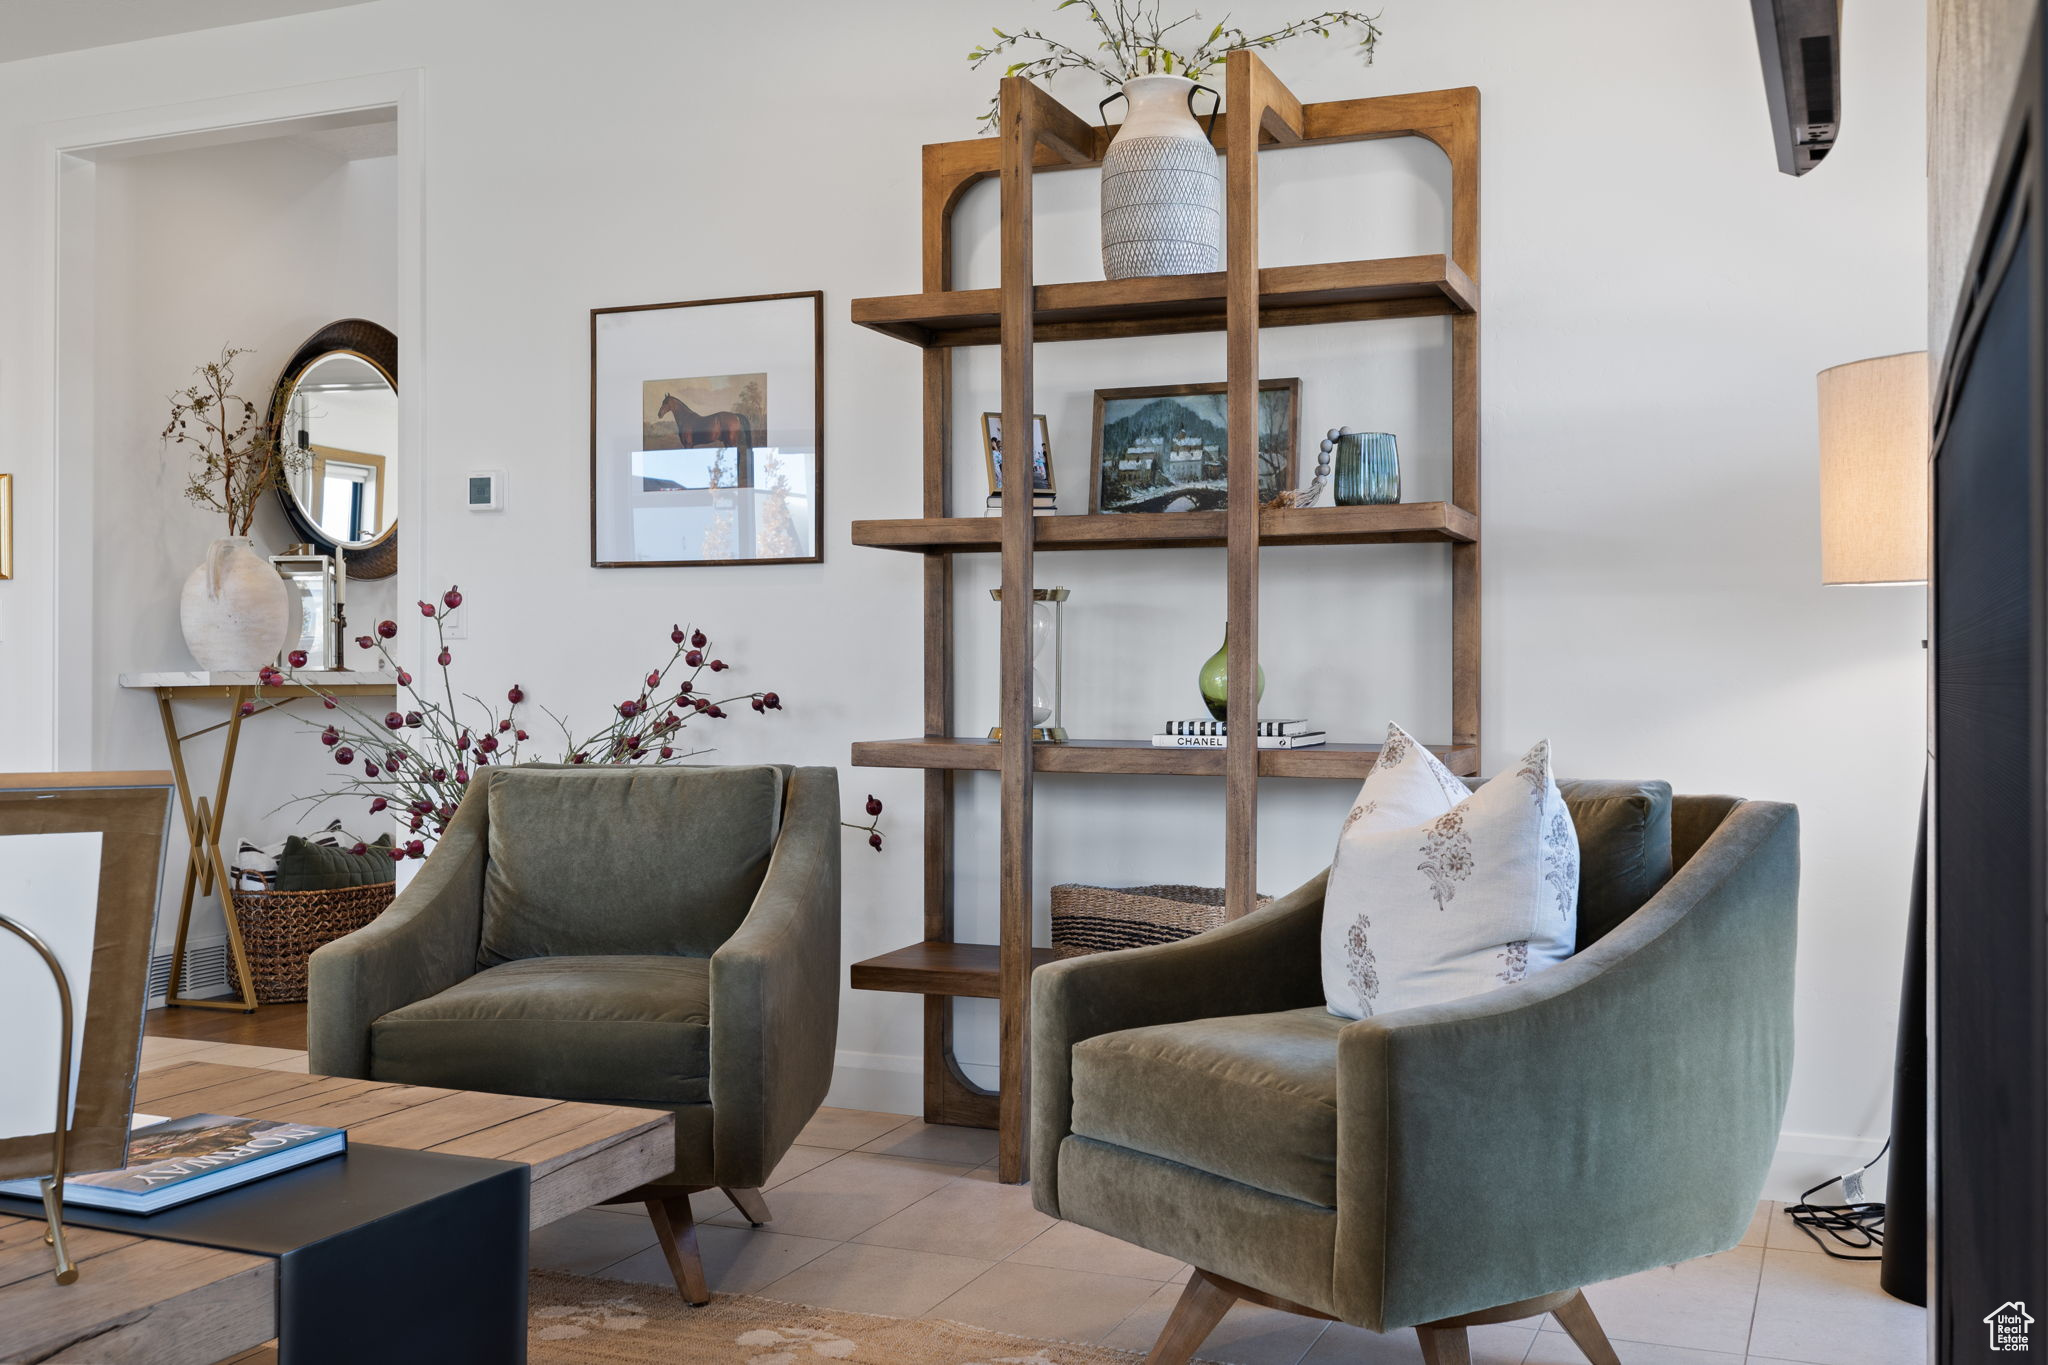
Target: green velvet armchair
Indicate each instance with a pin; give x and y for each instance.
(1453, 1164)
(663, 937)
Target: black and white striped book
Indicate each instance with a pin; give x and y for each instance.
(1303, 741)
(1219, 729)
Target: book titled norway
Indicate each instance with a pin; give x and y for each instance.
(1304, 741)
(1206, 726)
(174, 1161)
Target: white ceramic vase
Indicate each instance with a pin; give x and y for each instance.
(236, 610)
(1160, 187)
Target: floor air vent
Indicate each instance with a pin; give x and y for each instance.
(206, 972)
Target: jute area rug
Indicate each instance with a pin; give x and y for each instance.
(575, 1320)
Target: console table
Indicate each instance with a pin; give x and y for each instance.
(206, 872)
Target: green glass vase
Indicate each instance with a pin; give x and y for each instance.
(1215, 679)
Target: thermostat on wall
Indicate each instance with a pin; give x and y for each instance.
(487, 490)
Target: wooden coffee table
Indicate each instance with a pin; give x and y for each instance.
(135, 1299)
(166, 1303)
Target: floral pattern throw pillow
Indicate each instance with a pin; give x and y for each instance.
(1437, 892)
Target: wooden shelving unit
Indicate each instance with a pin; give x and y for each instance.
(1289, 296)
(939, 968)
(1387, 524)
(1137, 756)
(1036, 133)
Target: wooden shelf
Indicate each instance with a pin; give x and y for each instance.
(1039, 133)
(1289, 296)
(1137, 756)
(1382, 524)
(933, 968)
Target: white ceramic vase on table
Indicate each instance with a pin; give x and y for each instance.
(1161, 187)
(235, 610)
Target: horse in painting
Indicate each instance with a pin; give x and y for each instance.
(715, 430)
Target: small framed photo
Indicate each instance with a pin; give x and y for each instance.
(707, 437)
(1165, 448)
(1041, 454)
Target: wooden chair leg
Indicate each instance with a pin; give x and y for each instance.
(750, 1203)
(1444, 1346)
(1576, 1316)
(677, 1229)
(1202, 1305)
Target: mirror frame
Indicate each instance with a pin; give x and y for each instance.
(367, 341)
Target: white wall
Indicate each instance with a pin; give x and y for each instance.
(1657, 299)
(256, 244)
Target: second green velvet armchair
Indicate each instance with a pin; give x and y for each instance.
(664, 937)
(1452, 1164)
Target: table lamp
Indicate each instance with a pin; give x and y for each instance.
(1874, 446)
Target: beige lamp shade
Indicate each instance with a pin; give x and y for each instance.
(1873, 470)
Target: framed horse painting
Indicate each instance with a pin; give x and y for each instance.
(707, 432)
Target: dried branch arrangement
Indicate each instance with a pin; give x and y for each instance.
(1134, 39)
(236, 456)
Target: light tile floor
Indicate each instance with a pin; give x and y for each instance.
(881, 1213)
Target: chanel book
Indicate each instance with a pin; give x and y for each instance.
(1307, 741)
(174, 1161)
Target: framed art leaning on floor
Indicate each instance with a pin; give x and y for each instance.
(81, 855)
(707, 437)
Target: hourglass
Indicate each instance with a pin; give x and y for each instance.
(1047, 628)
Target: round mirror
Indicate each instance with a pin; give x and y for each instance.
(335, 410)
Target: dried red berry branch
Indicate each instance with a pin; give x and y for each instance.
(873, 826)
(419, 758)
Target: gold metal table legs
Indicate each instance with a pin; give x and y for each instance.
(206, 872)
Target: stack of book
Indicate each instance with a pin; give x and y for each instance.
(171, 1161)
(1041, 505)
(1215, 734)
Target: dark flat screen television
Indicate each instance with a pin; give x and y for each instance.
(1989, 816)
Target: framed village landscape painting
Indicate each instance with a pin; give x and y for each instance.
(1165, 448)
(707, 440)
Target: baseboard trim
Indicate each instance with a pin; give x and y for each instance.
(881, 1081)
(890, 1082)
(894, 1084)
(1804, 1160)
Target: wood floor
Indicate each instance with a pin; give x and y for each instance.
(271, 1026)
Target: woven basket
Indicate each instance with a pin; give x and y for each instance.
(1101, 919)
(280, 930)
